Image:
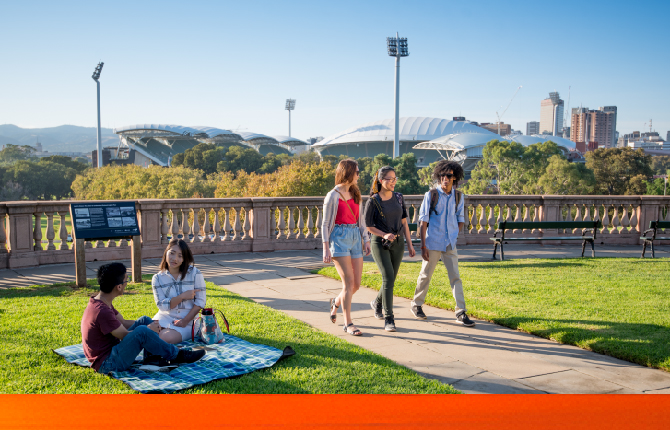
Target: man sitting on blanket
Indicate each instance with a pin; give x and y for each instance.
(111, 342)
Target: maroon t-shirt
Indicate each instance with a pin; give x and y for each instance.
(97, 325)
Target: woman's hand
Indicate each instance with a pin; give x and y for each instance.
(366, 248)
(187, 295)
(326, 254)
(389, 236)
(181, 323)
(410, 248)
(155, 326)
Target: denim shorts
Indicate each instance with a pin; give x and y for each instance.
(345, 240)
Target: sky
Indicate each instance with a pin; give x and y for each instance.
(232, 65)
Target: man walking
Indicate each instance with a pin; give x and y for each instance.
(441, 218)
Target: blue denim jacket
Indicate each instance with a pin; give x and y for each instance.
(443, 226)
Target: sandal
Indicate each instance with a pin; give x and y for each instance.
(333, 317)
(355, 332)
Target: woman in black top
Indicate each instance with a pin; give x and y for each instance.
(386, 219)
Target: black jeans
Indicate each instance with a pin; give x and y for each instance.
(388, 262)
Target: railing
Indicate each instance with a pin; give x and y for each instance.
(268, 224)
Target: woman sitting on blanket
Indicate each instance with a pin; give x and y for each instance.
(179, 292)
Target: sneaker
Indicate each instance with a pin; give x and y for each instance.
(418, 312)
(188, 356)
(377, 307)
(463, 319)
(389, 324)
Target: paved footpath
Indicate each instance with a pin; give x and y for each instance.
(485, 359)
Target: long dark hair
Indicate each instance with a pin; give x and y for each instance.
(185, 253)
(345, 172)
(377, 180)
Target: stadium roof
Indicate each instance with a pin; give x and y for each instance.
(206, 132)
(411, 128)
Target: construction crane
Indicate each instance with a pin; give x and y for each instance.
(503, 113)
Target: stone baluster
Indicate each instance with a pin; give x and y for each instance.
(291, 224)
(517, 217)
(217, 225)
(491, 221)
(415, 217)
(282, 224)
(482, 220)
(501, 209)
(273, 223)
(526, 217)
(237, 228)
(536, 211)
(587, 215)
(615, 220)
(184, 226)
(195, 227)
(51, 234)
(37, 231)
(596, 213)
(226, 225)
(62, 230)
(206, 227)
(625, 220)
(633, 220)
(508, 216)
(88, 244)
(165, 229)
(578, 217)
(301, 225)
(3, 235)
(318, 221)
(473, 220)
(568, 217)
(606, 220)
(247, 224)
(174, 227)
(310, 224)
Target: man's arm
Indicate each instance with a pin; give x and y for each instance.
(423, 227)
(120, 332)
(124, 322)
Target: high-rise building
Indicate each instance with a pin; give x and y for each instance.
(502, 128)
(593, 129)
(551, 115)
(613, 110)
(533, 127)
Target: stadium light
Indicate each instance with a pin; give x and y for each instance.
(96, 78)
(290, 105)
(397, 47)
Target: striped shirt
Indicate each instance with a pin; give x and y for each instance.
(166, 287)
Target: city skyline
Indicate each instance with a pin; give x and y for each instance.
(183, 66)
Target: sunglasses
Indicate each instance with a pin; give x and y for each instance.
(390, 179)
(448, 175)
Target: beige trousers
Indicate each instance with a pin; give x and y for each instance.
(450, 260)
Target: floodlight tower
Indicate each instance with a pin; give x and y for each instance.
(290, 105)
(96, 78)
(397, 48)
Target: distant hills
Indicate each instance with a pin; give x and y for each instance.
(64, 138)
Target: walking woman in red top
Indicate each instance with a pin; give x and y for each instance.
(344, 238)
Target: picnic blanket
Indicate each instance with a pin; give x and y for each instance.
(233, 357)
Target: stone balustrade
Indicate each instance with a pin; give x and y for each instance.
(266, 224)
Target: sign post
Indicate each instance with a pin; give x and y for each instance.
(105, 221)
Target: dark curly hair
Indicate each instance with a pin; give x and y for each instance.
(444, 166)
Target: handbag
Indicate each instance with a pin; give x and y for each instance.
(208, 329)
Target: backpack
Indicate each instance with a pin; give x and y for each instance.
(434, 197)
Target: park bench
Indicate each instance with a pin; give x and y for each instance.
(588, 226)
(415, 227)
(654, 226)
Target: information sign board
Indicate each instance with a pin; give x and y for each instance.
(102, 221)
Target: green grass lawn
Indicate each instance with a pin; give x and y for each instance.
(614, 306)
(35, 320)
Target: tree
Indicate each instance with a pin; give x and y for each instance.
(660, 164)
(656, 187)
(136, 182)
(239, 158)
(44, 180)
(77, 165)
(203, 156)
(13, 153)
(565, 178)
(501, 169)
(614, 168)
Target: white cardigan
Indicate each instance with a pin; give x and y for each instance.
(330, 204)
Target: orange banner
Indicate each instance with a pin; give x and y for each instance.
(245, 411)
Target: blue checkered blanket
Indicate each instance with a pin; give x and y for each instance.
(233, 357)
